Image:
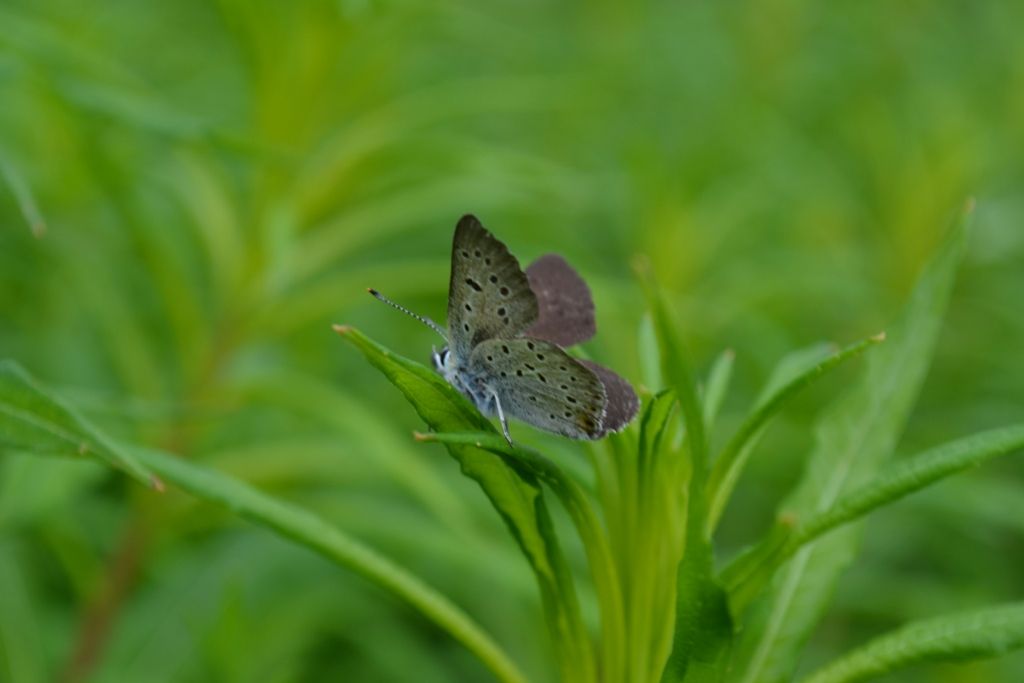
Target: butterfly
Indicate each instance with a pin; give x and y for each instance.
(507, 333)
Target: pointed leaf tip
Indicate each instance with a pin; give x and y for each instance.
(641, 265)
(341, 329)
(880, 337)
(157, 484)
(789, 519)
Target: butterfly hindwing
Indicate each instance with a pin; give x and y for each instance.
(489, 296)
(621, 402)
(565, 307)
(542, 385)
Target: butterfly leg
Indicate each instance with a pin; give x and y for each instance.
(501, 418)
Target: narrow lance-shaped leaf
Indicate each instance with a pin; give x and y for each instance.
(956, 638)
(730, 462)
(516, 495)
(23, 196)
(32, 419)
(661, 518)
(22, 646)
(313, 532)
(576, 503)
(896, 481)
(42, 425)
(853, 440)
(703, 627)
(717, 386)
(913, 474)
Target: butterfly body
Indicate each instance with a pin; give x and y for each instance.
(506, 332)
(470, 384)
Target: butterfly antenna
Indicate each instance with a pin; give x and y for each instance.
(422, 318)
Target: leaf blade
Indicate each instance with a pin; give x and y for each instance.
(718, 385)
(703, 624)
(289, 521)
(515, 495)
(853, 439)
(32, 419)
(747, 573)
(973, 635)
(913, 474)
(730, 462)
(315, 533)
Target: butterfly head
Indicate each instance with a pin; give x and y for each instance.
(439, 359)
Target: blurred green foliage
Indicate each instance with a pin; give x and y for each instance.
(190, 193)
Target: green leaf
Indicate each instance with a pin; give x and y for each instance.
(313, 532)
(913, 474)
(585, 519)
(653, 537)
(718, 385)
(22, 646)
(42, 425)
(956, 638)
(703, 626)
(747, 574)
(675, 368)
(23, 196)
(794, 374)
(853, 440)
(33, 420)
(515, 494)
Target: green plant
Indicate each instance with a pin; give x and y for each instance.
(667, 612)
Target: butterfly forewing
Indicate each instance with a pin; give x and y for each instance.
(489, 296)
(565, 308)
(540, 384)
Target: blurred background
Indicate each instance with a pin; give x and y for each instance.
(192, 192)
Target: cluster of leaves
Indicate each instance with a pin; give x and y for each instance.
(179, 226)
(668, 612)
